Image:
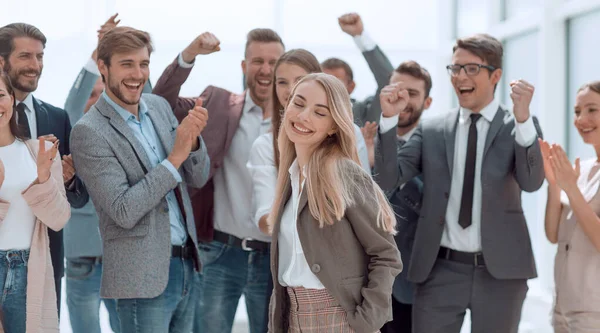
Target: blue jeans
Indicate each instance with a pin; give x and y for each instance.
(172, 311)
(227, 273)
(83, 296)
(13, 280)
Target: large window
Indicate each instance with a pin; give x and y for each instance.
(583, 66)
(472, 16)
(519, 8)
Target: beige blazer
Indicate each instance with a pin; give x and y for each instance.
(49, 204)
(355, 260)
(577, 262)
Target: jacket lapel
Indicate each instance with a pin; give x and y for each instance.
(450, 137)
(495, 127)
(303, 201)
(117, 122)
(237, 107)
(41, 118)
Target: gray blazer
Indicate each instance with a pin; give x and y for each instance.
(81, 234)
(129, 196)
(507, 170)
(370, 108)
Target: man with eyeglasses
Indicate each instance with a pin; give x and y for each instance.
(472, 248)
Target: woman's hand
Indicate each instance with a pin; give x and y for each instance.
(45, 159)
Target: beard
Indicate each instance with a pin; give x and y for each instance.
(414, 114)
(25, 85)
(115, 88)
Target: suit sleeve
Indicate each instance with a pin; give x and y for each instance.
(108, 183)
(381, 68)
(393, 166)
(529, 166)
(79, 94)
(169, 85)
(76, 192)
(385, 262)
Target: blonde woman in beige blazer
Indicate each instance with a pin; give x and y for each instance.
(572, 221)
(32, 198)
(333, 255)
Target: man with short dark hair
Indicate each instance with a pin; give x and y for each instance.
(22, 58)
(406, 199)
(368, 109)
(472, 248)
(136, 160)
(235, 253)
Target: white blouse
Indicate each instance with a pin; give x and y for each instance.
(20, 170)
(293, 267)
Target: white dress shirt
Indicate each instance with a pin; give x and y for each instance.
(263, 172)
(30, 112)
(233, 184)
(20, 170)
(454, 236)
(364, 42)
(293, 267)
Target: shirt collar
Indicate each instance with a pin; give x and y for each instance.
(28, 102)
(488, 112)
(294, 170)
(407, 136)
(126, 115)
(249, 104)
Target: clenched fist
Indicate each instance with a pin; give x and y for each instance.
(206, 43)
(394, 99)
(351, 24)
(521, 93)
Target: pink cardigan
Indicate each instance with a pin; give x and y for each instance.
(49, 204)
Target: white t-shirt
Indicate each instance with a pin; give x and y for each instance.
(20, 171)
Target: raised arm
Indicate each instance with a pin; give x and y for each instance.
(378, 62)
(170, 82)
(393, 166)
(553, 204)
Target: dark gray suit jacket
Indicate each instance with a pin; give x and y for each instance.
(507, 170)
(406, 202)
(370, 108)
(129, 196)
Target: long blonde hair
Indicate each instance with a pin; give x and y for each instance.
(335, 180)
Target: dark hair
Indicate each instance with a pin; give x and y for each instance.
(122, 40)
(8, 33)
(593, 86)
(415, 70)
(484, 46)
(12, 124)
(308, 62)
(335, 63)
(262, 35)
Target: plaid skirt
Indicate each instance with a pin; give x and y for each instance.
(316, 311)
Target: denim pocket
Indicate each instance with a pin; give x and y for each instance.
(211, 252)
(79, 269)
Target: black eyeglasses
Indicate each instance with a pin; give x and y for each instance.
(470, 69)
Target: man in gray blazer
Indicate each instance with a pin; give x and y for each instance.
(128, 150)
(369, 109)
(472, 248)
(83, 246)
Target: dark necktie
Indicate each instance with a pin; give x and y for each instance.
(22, 120)
(466, 204)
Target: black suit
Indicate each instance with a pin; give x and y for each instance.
(53, 120)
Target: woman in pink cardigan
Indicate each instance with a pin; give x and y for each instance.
(32, 198)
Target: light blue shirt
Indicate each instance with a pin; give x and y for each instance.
(146, 135)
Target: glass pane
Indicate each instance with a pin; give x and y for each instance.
(471, 17)
(521, 62)
(582, 68)
(513, 8)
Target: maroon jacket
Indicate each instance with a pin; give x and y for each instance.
(224, 113)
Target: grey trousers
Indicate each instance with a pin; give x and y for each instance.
(441, 301)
